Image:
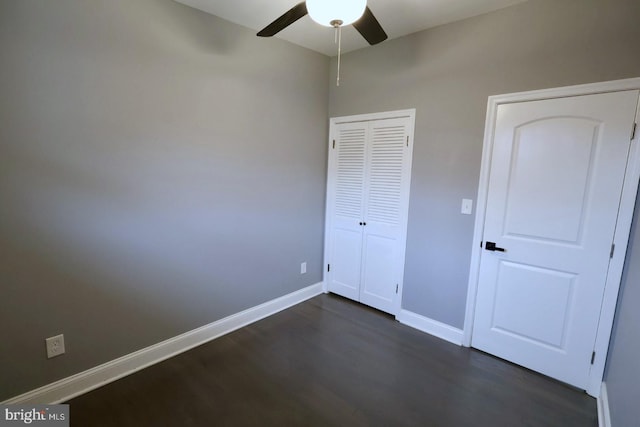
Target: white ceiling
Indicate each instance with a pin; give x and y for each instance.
(397, 17)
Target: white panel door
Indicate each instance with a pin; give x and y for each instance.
(347, 183)
(557, 171)
(386, 197)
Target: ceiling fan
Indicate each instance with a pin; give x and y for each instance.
(332, 13)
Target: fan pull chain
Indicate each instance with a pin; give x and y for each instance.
(337, 24)
(339, 53)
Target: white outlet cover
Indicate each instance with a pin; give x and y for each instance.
(55, 346)
(303, 268)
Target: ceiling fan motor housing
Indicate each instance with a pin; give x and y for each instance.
(330, 12)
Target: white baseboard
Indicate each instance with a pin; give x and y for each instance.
(430, 326)
(604, 416)
(83, 382)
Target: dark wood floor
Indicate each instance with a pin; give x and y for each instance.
(332, 362)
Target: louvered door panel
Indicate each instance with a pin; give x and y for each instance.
(386, 159)
(350, 172)
(347, 168)
(367, 207)
(383, 250)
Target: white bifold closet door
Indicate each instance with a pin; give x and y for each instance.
(367, 205)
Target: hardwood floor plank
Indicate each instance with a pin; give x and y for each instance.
(332, 362)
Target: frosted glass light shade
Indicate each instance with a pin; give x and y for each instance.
(325, 11)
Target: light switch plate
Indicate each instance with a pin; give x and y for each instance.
(467, 206)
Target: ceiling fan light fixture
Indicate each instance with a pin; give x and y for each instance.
(328, 12)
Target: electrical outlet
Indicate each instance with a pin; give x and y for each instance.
(55, 346)
(303, 268)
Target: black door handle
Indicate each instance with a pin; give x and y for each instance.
(491, 246)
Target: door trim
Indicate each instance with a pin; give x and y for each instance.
(333, 121)
(623, 227)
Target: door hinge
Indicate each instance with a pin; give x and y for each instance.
(328, 267)
(613, 249)
(593, 357)
(334, 144)
(397, 288)
(633, 132)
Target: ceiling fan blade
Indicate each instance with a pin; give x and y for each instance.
(369, 27)
(295, 13)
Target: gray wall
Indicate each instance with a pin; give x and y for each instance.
(160, 169)
(623, 365)
(447, 73)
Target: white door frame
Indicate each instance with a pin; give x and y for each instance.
(408, 113)
(623, 227)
